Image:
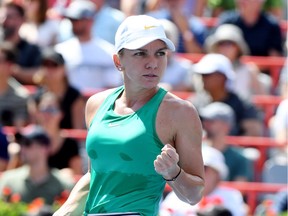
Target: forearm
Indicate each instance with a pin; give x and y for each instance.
(189, 188)
(75, 203)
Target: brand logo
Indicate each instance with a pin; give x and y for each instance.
(148, 27)
(113, 124)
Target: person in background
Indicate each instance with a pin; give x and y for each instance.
(52, 77)
(192, 31)
(217, 119)
(38, 28)
(214, 194)
(133, 125)
(216, 84)
(13, 96)
(273, 7)
(34, 179)
(106, 21)
(4, 155)
(178, 71)
(64, 152)
(249, 80)
(12, 16)
(87, 58)
(261, 32)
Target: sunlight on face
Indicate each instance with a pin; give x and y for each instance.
(145, 66)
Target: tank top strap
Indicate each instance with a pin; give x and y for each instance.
(108, 102)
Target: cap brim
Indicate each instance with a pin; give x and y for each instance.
(136, 44)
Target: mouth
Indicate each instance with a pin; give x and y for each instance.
(150, 75)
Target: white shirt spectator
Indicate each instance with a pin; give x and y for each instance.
(89, 64)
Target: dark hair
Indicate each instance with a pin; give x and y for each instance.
(9, 51)
(41, 14)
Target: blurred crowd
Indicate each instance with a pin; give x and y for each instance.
(54, 54)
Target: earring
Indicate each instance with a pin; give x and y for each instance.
(120, 68)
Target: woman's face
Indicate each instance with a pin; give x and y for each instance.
(52, 73)
(229, 49)
(145, 66)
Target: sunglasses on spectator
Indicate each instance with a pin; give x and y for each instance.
(226, 43)
(50, 64)
(50, 110)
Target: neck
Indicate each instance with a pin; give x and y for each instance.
(84, 38)
(39, 171)
(250, 18)
(3, 85)
(218, 95)
(58, 88)
(218, 142)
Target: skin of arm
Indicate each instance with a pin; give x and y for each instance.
(183, 148)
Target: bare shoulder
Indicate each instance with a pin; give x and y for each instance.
(94, 102)
(178, 107)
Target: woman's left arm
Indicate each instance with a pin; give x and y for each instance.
(180, 162)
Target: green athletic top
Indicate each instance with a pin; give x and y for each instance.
(122, 150)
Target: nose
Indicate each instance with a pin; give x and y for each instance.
(152, 63)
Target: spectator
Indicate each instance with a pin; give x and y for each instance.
(176, 76)
(13, 96)
(28, 57)
(52, 77)
(34, 179)
(106, 22)
(218, 80)
(192, 30)
(214, 194)
(261, 31)
(38, 28)
(64, 152)
(88, 59)
(228, 40)
(218, 119)
(274, 7)
(278, 124)
(4, 156)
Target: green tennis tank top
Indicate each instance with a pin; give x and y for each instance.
(122, 150)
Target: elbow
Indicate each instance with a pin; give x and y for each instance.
(195, 195)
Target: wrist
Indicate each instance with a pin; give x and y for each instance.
(175, 177)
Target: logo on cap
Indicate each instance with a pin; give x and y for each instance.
(148, 27)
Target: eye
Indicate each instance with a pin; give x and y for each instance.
(140, 53)
(161, 53)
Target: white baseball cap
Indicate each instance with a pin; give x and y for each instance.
(139, 30)
(213, 158)
(212, 63)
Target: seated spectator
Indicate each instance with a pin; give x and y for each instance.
(228, 40)
(218, 118)
(34, 179)
(4, 156)
(274, 7)
(13, 96)
(192, 30)
(214, 193)
(218, 80)
(88, 59)
(176, 76)
(38, 28)
(52, 77)
(12, 16)
(105, 24)
(64, 152)
(261, 31)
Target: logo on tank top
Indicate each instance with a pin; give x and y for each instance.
(113, 124)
